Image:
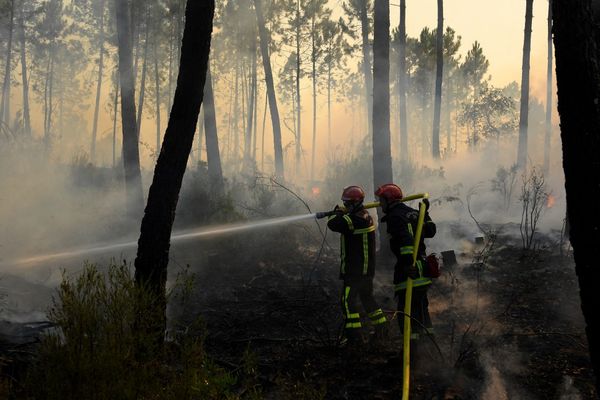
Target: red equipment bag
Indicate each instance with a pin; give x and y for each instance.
(433, 266)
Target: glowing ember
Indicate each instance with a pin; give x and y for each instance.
(316, 191)
(551, 201)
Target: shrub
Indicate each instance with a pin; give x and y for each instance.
(92, 352)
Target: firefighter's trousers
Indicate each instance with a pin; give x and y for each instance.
(420, 321)
(352, 290)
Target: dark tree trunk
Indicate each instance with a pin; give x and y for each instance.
(314, 95)
(382, 157)
(548, 135)
(251, 106)
(98, 85)
(5, 106)
(25, 82)
(364, 29)
(143, 82)
(402, 84)
(213, 156)
(298, 102)
(578, 81)
(155, 234)
(157, 90)
(524, 114)
(131, 157)
(439, 71)
(264, 49)
(115, 111)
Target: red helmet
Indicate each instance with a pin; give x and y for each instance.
(390, 192)
(353, 194)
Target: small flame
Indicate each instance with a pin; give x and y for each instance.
(551, 201)
(316, 191)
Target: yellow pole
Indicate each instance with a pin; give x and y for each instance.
(408, 298)
(375, 204)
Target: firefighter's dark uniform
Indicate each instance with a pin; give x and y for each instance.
(357, 245)
(401, 223)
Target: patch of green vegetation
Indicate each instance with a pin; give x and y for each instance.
(91, 354)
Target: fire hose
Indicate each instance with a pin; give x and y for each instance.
(409, 284)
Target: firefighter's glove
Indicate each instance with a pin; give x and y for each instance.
(426, 202)
(413, 272)
(338, 211)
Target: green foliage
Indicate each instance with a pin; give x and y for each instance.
(92, 352)
(490, 115)
(504, 183)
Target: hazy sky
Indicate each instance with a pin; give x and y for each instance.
(497, 25)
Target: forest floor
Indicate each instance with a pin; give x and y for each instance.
(507, 323)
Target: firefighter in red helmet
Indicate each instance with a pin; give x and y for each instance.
(401, 221)
(357, 244)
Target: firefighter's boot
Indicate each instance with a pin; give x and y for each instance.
(380, 338)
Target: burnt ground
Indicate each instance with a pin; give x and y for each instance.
(508, 326)
(508, 323)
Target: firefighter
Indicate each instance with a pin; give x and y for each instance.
(357, 244)
(401, 221)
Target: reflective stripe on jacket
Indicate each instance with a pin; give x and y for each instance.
(357, 243)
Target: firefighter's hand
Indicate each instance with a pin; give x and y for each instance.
(426, 202)
(338, 210)
(413, 272)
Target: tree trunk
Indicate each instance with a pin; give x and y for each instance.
(437, 107)
(5, 106)
(25, 82)
(314, 95)
(157, 90)
(364, 25)
(524, 114)
(115, 110)
(131, 157)
(382, 157)
(578, 82)
(298, 102)
(155, 233)
(251, 106)
(264, 49)
(262, 143)
(143, 82)
(98, 85)
(213, 157)
(402, 84)
(548, 135)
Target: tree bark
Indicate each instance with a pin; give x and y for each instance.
(213, 157)
(143, 82)
(251, 106)
(548, 135)
(131, 157)
(25, 82)
(314, 95)
(402, 84)
(364, 27)
(298, 102)
(157, 90)
(154, 242)
(115, 111)
(578, 82)
(98, 85)
(524, 113)
(437, 107)
(264, 49)
(5, 106)
(382, 157)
